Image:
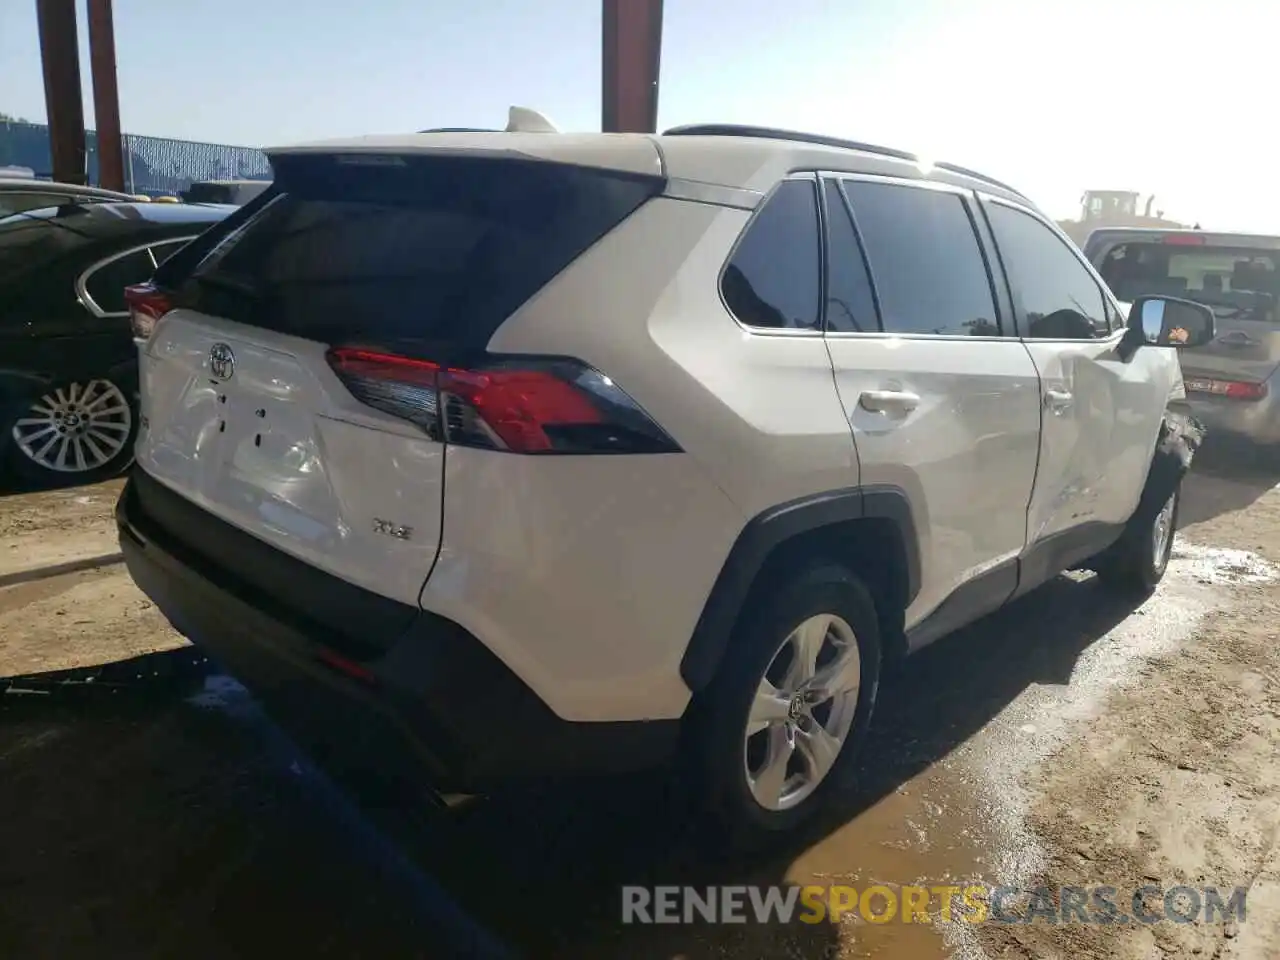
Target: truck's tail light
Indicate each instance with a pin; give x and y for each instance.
(1246, 391)
(517, 405)
(146, 304)
(1234, 389)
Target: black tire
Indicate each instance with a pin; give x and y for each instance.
(30, 472)
(1133, 564)
(717, 748)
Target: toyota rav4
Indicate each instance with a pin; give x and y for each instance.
(491, 455)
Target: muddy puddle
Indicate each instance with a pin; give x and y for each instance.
(930, 833)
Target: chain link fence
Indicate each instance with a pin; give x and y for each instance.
(156, 166)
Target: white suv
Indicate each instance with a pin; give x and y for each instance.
(489, 455)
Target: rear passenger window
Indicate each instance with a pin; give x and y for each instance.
(925, 260)
(1057, 296)
(850, 306)
(773, 280)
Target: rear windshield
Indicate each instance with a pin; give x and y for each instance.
(396, 249)
(1237, 282)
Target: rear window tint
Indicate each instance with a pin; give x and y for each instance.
(851, 306)
(438, 249)
(774, 278)
(929, 272)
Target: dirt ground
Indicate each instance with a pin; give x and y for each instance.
(96, 616)
(1070, 739)
(87, 617)
(1177, 779)
(42, 530)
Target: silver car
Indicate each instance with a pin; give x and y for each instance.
(1232, 382)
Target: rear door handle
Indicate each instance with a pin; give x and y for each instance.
(889, 401)
(1057, 400)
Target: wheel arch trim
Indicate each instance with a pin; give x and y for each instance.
(765, 533)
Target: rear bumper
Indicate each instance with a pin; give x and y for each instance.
(417, 702)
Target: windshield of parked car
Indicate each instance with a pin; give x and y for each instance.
(1237, 282)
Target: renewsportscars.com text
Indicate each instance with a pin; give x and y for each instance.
(976, 903)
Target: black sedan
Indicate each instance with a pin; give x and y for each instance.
(68, 362)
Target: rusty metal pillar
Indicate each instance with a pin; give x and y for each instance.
(60, 56)
(631, 58)
(106, 98)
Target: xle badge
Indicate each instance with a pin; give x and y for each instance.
(389, 529)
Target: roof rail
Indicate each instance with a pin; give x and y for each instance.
(774, 133)
(974, 175)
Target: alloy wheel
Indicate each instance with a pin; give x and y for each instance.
(76, 428)
(802, 712)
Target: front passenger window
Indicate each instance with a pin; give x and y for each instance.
(1059, 298)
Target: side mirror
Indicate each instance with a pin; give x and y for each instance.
(1170, 322)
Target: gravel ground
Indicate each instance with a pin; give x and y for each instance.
(1068, 739)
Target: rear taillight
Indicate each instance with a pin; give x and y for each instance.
(1185, 239)
(1233, 389)
(1246, 391)
(147, 304)
(520, 406)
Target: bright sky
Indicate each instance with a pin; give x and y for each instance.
(1172, 97)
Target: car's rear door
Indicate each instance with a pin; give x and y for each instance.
(943, 399)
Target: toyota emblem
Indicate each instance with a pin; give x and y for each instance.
(222, 362)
